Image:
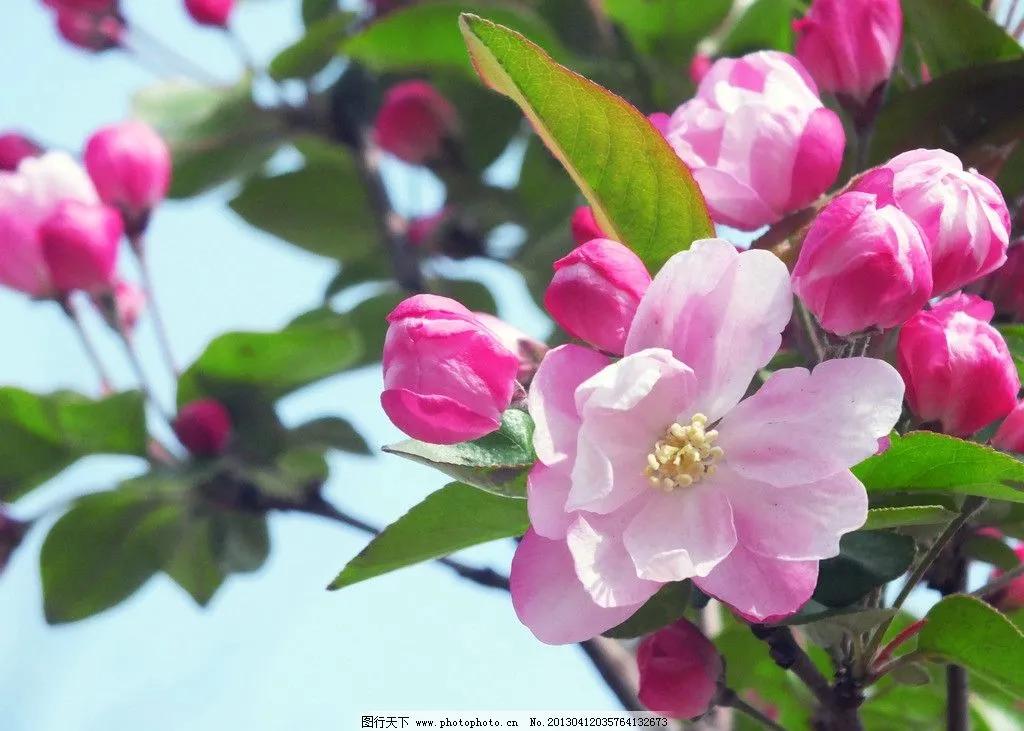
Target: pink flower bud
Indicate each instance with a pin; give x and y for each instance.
(203, 427)
(863, 265)
(595, 292)
(14, 148)
(210, 12)
(131, 167)
(963, 215)
(89, 31)
(447, 377)
(530, 351)
(585, 226)
(1011, 597)
(850, 46)
(956, 366)
(415, 122)
(680, 671)
(1005, 286)
(98, 7)
(700, 64)
(1010, 435)
(80, 244)
(758, 139)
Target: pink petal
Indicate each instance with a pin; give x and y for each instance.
(550, 600)
(547, 488)
(681, 534)
(602, 562)
(801, 426)
(761, 589)
(721, 313)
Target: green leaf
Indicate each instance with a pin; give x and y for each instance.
(455, 517)
(641, 192)
(966, 631)
(831, 630)
(310, 54)
(40, 435)
(866, 560)
(496, 463)
(315, 10)
(897, 517)
(1014, 336)
(952, 34)
(665, 607)
(927, 461)
(321, 208)
(329, 432)
(990, 550)
(215, 134)
(765, 24)
(273, 363)
(667, 28)
(426, 35)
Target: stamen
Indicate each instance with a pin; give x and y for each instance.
(684, 456)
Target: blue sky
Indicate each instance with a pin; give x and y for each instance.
(273, 650)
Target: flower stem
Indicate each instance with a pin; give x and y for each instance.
(140, 376)
(142, 39)
(91, 353)
(159, 324)
(730, 699)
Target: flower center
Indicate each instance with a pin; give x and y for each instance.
(684, 456)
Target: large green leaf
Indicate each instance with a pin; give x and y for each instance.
(765, 24)
(641, 192)
(952, 34)
(966, 631)
(215, 134)
(456, 516)
(866, 560)
(329, 431)
(907, 515)
(496, 463)
(426, 35)
(41, 435)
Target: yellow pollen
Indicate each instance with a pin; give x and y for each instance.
(683, 456)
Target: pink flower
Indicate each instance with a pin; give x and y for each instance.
(963, 215)
(655, 468)
(863, 265)
(14, 148)
(529, 350)
(415, 122)
(1010, 436)
(27, 197)
(1005, 286)
(700, 64)
(956, 366)
(203, 427)
(680, 671)
(850, 46)
(131, 167)
(447, 377)
(79, 243)
(210, 12)
(1011, 597)
(758, 140)
(595, 292)
(585, 226)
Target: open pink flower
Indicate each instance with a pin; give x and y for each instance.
(654, 468)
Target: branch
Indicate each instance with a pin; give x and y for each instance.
(788, 655)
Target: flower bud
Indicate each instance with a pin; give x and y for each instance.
(758, 139)
(1010, 435)
(203, 427)
(956, 366)
(131, 167)
(447, 377)
(415, 123)
(80, 243)
(863, 265)
(530, 351)
(1004, 287)
(1011, 597)
(89, 31)
(585, 226)
(98, 7)
(700, 64)
(680, 671)
(963, 215)
(850, 46)
(595, 292)
(14, 148)
(210, 12)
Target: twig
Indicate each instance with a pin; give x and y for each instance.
(617, 668)
(91, 353)
(141, 39)
(788, 655)
(140, 375)
(159, 324)
(730, 699)
(957, 711)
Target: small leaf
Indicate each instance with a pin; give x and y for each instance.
(927, 461)
(310, 54)
(455, 517)
(667, 28)
(641, 192)
(912, 674)
(897, 517)
(332, 432)
(831, 630)
(953, 34)
(665, 607)
(966, 631)
(866, 560)
(496, 463)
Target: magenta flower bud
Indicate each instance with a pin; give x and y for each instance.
(963, 215)
(79, 243)
(14, 148)
(700, 64)
(203, 427)
(1005, 286)
(1010, 435)
(89, 31)
(863, 265)
(850, 46)
(585, 226)
(595, 292)
(758, 139)
(957, 368)
(530, 351)
(98, 7)
(210, 12)
(447, 377)
(1011, 597)
(415, 122)
(680, 671)
(130, 165)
